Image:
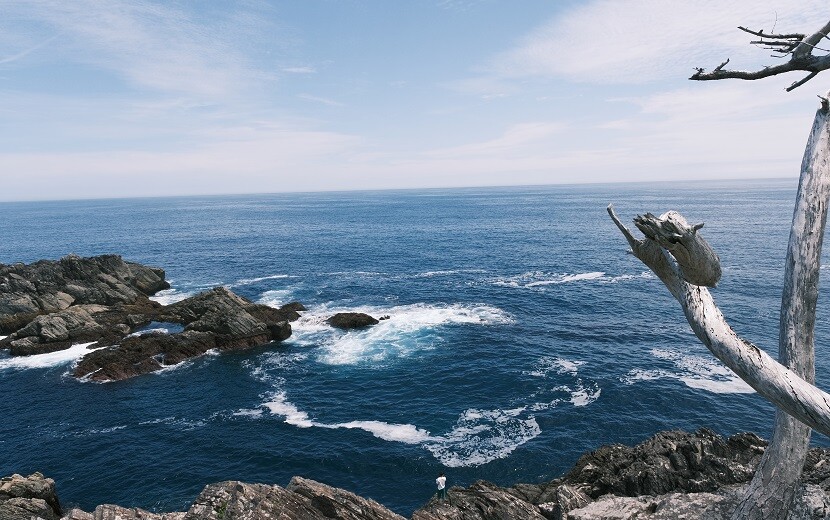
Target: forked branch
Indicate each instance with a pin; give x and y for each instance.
(768, 377)
(799, 47)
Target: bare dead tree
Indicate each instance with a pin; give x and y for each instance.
(686, 264)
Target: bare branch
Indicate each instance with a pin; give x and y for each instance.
(800, 47)
(762, 34)
(802, 81)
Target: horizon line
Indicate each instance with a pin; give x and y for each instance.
(381, 190)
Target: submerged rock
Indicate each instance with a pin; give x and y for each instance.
(351, 320)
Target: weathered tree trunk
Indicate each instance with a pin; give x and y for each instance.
(773, 487)
(789, 384)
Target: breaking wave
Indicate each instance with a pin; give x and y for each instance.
(52, 359)
(407, 329)
(540, 279)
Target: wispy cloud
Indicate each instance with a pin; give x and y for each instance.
(26, 52)
(637, 41)
(300, 70)
(321, 100)
(515, 140)
(150, 45)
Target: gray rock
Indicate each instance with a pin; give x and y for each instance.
(338, 503)
(49, 286)
(481, 501)
(29, 497)
(351, 320)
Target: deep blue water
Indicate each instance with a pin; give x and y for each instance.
(521, 334)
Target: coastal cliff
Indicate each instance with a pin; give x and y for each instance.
(673, 475)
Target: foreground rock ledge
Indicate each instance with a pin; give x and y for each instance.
(673, 475)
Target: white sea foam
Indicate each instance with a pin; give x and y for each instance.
(405, 433)
(409, 328)
(3, 337)
(52, 359)
(170, 296)
(248, 281)
(699, 372)
(449, 272)
(254, 413)
(279, 405)
(478, 437)
(181, 423)
(481, 436)
(275, 298)
(547, 365)
(541, 279)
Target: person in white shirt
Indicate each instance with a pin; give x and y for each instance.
(441, 481)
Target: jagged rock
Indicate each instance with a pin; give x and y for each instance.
(674, 506)
(302, 499)
(46, 286)
(24, 498)
(57, 331)
(338, 503)
(351, 320)
(668, 462)
(481, 501)
(564, 499)
(215, 319)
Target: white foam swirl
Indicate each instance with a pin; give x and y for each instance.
(699, 372)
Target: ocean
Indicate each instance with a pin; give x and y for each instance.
(520, 335)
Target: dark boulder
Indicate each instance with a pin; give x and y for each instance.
(351, 320)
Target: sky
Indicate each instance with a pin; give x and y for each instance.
(149, 98)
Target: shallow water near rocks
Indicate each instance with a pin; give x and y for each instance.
(520, 335)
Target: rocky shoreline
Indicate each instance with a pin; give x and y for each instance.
(105, 301)
(673, 475)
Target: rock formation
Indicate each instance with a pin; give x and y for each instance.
(673, 475)
(351, 320)
(23, 498)
(51, 305)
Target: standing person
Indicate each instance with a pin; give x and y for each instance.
(441, 481)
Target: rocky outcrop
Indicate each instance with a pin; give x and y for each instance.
(302, 499)
(621, 482)
(23, 498)
(710, 462)
(669, 461)
(216, 319)
(43, 287)
(351, 320)
(49, 306)
(338, 503)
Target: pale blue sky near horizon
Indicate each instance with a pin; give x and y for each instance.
(145, 98)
